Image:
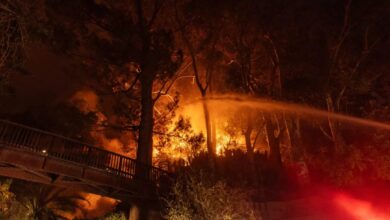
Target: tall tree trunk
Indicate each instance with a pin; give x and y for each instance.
(213, 133)
(210, 148)
(273, 142)
(288, 126)
(213, 121)
(295, 140)
(250, 150)
(338, 140)
(145, 139)
(275, 91)
(203, 88)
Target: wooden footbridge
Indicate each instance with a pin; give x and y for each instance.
(34, 155)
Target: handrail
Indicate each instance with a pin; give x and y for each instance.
(53, 145)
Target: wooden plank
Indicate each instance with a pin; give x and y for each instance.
(21, 174)
(63, 167)
(20, 157)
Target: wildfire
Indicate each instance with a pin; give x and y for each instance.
(175, 151)
(179, 149)
(226, 141)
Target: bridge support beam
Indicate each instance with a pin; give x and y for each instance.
(134, 212)
(141, 211)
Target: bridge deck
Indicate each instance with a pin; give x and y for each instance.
(35, 155)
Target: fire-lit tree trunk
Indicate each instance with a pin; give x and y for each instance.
(275, 78)
(213, 125)
(337, 139)
(288, 127)
(209, 140)
(273, 138)
(273, 130)
(250, 149)
(155, 63)
(213, 133)
(297, 150)
(145, 139)
(203, 87)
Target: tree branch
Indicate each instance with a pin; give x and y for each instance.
(365, 52)
(157, 8)
(343, 35)
(119, 127)
(326, 133)
(159, 93)
(191, 51)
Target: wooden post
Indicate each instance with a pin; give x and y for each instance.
(120, 165)
(50, 147)
(134, 212)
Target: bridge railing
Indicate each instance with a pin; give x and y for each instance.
(52, 145)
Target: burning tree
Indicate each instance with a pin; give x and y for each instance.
(179, 142)
(200, 32)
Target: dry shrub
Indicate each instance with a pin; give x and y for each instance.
(199, 197)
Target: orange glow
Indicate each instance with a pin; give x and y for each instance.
(96, 205)
(85, 100)
(358, 209)
(195, 113)
(178, 150)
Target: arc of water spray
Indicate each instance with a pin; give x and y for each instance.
(269, 105)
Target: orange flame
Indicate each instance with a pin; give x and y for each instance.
(180, 150)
